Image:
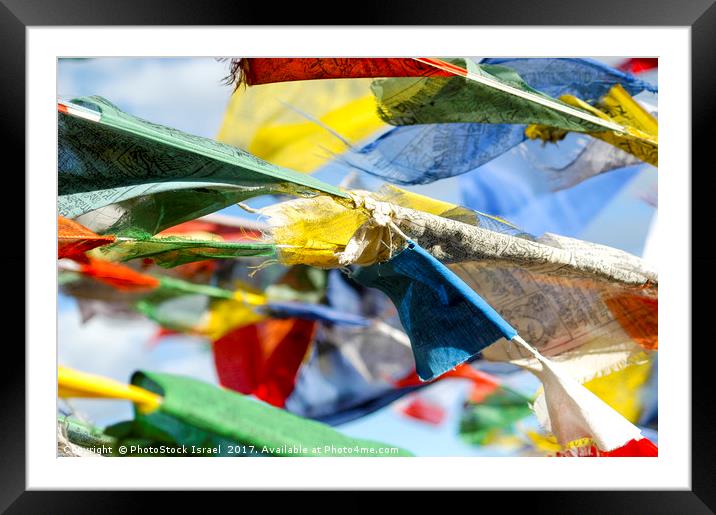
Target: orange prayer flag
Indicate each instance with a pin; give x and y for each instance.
(639, 316)
(465, 371)
(74, 239)
(119, 276)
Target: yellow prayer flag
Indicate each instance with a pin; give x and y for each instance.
(226, 315)
(270, 120)
(641, 129)
(72, 383)
(620, 389)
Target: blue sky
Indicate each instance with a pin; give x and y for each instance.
(188, 94)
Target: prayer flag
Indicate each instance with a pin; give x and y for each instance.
(73, 239)
(181, 411)
(419, 154)
(155, 177)
(503, 97)
(118, 276)
(582, 77)
(169, 251)
(639, 133)
(639, 64)
(533, 282)
(301, 125)
(197, 413)
(229, 228)
(263, 358)
(254, 71)
(497, 413)
(447, 322)
(424, 410)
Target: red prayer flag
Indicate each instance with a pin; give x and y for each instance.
(639, 64)
(263, 358)
(642, 448)
(256, 71)
(424, 411)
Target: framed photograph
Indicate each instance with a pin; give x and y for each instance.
(419, 237)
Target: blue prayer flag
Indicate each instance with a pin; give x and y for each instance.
(510, 189)
(447, 322)
(421, 154)
(585, 78)
(315, 312)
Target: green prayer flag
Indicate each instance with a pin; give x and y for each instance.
(170, 251)
(425, 100)
(185, 306)
(180, 305)
(179, 287)
(497, 413)
(154, 177)
(174, 310)
(194, 413)
(84, 434)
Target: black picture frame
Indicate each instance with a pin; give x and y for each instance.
(699, 15)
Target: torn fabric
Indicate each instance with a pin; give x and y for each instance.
(573, 413)
(639, 136)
